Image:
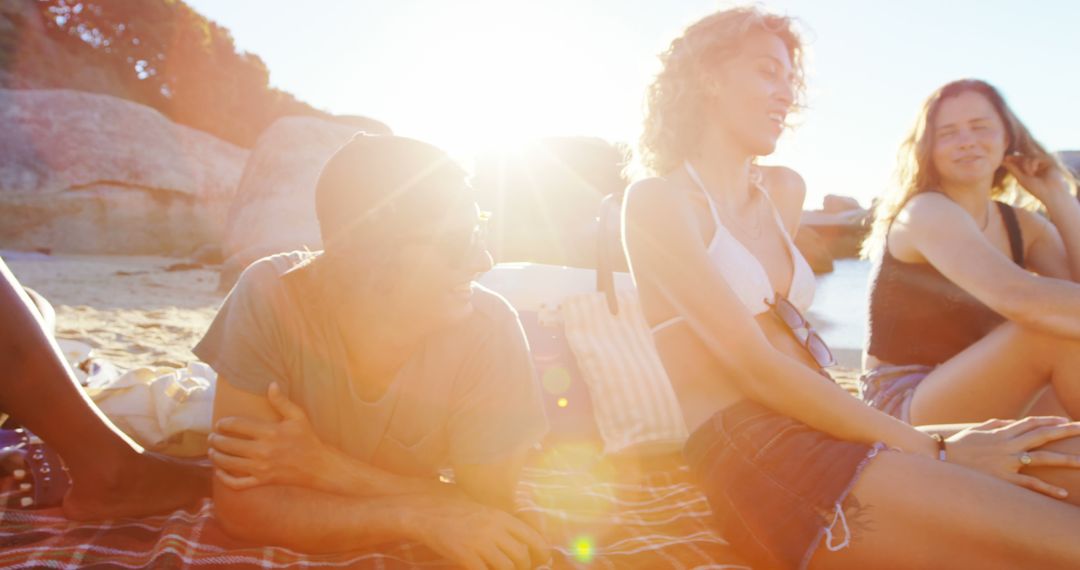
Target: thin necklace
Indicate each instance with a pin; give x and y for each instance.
(986, 220)
(753, 233)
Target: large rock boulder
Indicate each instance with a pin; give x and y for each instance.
(835, 204)
(814, 248)
(841, 226)
(546, 196)
(88, 173)
(274, 208)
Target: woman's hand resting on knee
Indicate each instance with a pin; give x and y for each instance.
(1003, 447)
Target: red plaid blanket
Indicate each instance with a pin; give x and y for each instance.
(610, 516)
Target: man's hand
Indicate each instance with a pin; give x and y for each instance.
(475, 536)
(249, 452)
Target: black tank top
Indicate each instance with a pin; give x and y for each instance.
(918, 316)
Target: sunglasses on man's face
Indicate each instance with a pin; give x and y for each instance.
(458, 247)
(802, 331)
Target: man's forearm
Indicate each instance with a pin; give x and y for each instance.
(308, 520)
(345, 475)
(488, 484)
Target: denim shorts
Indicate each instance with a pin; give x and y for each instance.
(775, 485)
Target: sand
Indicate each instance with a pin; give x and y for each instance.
(132, 311)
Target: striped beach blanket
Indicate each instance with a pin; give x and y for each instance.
(610, 516)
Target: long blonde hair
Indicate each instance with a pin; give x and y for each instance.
(675, 100)
(915, 171)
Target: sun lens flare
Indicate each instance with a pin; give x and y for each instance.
(583, 549)
(556, 380)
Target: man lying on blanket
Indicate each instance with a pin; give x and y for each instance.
(349, 377)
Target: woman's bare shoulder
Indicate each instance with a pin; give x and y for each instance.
(646, 188)
(927, 210)
(787, 189)
(930, 220)
(648, 197)
(783, 184)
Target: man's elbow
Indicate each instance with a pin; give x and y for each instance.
(261, 516)
(235, 514)
(242, 516)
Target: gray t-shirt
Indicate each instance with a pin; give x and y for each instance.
(468, 395)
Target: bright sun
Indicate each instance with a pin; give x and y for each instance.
(486, 75)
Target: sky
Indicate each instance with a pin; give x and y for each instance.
(469, 75)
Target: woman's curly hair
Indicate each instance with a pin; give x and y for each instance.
(676, 99)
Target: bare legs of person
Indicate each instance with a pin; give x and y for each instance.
(908, 511)
(1001, 376)
(44, 310)
(111, 475)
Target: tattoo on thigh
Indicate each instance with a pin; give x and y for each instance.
(859, 517)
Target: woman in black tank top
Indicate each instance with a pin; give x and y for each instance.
(974, 312)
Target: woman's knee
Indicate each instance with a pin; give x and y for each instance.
(44, 310)
(1065, 476)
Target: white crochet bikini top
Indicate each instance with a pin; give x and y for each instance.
(742, 271)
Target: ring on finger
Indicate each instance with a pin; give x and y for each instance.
(1025, 458)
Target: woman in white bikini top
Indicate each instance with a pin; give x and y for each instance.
(750, 282)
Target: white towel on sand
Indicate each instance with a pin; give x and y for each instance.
(163, 409)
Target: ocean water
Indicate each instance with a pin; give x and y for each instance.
(839, 308)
